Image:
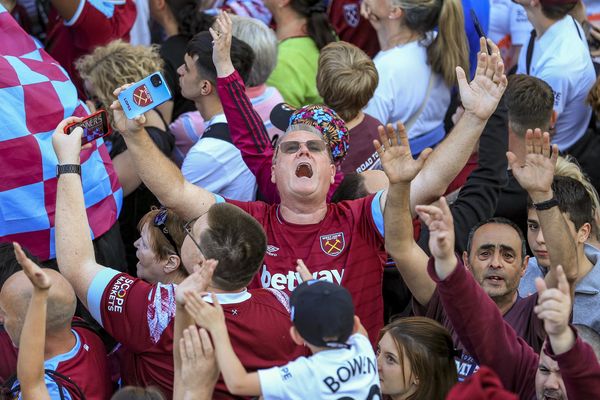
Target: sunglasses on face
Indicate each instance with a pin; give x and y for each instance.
(160, 222)
(292, 146)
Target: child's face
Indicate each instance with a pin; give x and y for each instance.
(395, 372)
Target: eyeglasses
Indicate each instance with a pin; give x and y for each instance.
(188, 230)
(292, 146)
(160, 222)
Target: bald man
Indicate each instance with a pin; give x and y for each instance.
(73, 352)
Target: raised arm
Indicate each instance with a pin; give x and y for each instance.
(157, 171)
(74, 249)
(480, 97)
(211, 317)
(30, 363)
(578, 366)
(472, 313)
(478, 198)
(183, 387)
(410, 260)
(536, 177)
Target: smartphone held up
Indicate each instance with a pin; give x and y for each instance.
(94, 127)
(144, 95)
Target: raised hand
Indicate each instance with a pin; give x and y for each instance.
(480, 97)
(221, 33)
(554, 307)
(67, 147)
(441, 230)
(538, 172)
(199, 369)
(394, 152)
(207, 316)
(303, 270)
(36, 275)
(197, 282)
(124, 125)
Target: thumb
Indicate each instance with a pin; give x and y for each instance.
(563, 284)
(512, 159)
(540, 285)
(424, 155)
(463, 85)
(216, 302)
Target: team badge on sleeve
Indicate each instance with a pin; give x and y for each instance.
(352, 14)
(142, 96)
(333, 244)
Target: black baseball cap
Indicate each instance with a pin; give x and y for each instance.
(323, 313)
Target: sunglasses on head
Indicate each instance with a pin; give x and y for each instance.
(292, 146)
(160, 222)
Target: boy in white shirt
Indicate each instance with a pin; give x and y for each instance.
(342, 365)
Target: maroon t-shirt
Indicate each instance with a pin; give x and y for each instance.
(352, 27)
(8, 356)
(520, 316)
(361, 153)
(345, 248)
(141, 316)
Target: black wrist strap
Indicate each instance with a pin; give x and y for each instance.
(68, 169)
(546, 205)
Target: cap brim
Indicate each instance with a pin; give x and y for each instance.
(280, 116)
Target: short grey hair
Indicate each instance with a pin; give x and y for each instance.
(263, 42)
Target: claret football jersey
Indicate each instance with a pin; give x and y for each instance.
(141, 315)
(346, 248)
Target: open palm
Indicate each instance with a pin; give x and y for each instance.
(395, 155)
(537, 173)
(480, 97)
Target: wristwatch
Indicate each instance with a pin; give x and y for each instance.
(546, 205)
(68, 169)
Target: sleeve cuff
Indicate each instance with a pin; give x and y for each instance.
(457, 274)
(77, 14)
(234, 76)
(376, 212)
(96, 292)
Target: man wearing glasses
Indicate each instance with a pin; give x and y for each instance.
(343, 242)
(140, 315)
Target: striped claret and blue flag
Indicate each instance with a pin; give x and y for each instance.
(35, 95)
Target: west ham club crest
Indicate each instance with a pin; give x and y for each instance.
(141, 96)
(333, 244)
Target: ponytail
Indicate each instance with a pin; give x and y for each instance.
(190, 20)
(449, 49)
(318, 26)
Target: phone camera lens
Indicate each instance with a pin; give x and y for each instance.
(156, 81)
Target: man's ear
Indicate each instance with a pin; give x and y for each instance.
(160, 4)
(172, 265)
(583, 233)
(524, 267)
(396, 13)
(296, 338)
(333, 171)
(273, 180)
(465, 259)
(206, 87)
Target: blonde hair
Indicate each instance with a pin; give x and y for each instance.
(568, 166)
(449, 48)
(116, 64)
(346, 78)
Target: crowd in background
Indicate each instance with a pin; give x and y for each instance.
(342, 199)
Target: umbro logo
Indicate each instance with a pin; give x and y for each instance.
(272, 250)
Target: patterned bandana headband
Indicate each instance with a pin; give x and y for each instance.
(331, 126)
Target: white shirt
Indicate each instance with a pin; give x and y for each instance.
(329, 374)
(508, 24)
(403, 80)
(217, 166)
(140, 31)
(563, 60)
